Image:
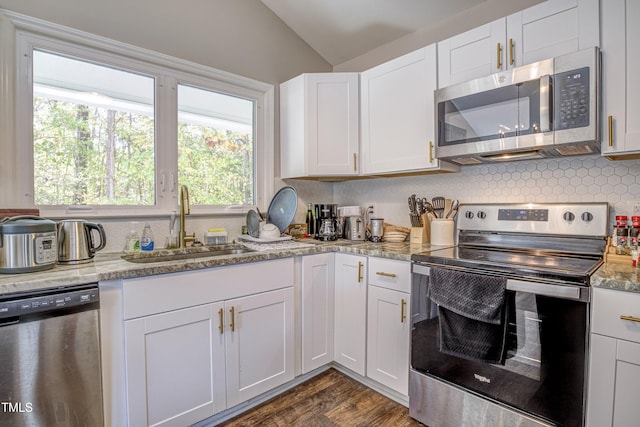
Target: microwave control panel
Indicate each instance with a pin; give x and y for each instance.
(571, 93)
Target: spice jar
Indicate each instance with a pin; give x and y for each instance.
(621, 235)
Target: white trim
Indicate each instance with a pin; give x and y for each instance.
(7, 110)
(169, 71)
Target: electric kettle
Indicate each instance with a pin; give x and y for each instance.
(75, 241)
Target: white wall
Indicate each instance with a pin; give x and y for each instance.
(242, 37)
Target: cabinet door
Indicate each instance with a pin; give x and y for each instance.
(552, 28)
(318, 312)
(351, 311)
(319, 125)
(621, 87)
(398, 114)
(175, 367)
(259, 344)
(388, 338)
(475, 53)
(613, 382)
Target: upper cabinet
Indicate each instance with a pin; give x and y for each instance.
(319, 133)
(397, 115)
(620, 34)
(549, 29)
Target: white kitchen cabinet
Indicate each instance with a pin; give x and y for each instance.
(614, 373)
(259, 344)
(175, 367)
(191, 344)
(318, 313)
(397, 123)
(350, 311)
(319, 130)
(546, 30)
(389, 323)
(620, 33)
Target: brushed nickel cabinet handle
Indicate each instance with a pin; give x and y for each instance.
(360, 264)
(382, 273)
(403, 307)
(232, 310)
(221, 327)
(610, 122)
(511, 56)
(630, 318)
(499, 53)
(355, 162)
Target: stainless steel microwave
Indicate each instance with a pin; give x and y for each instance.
(545, 109)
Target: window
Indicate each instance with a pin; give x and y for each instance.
(215, 147)
(112, 129)
(93, 134)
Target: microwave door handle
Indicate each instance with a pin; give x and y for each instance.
(545, 103)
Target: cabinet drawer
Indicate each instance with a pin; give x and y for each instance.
(608, 306)
(390, 274)
(158, 294)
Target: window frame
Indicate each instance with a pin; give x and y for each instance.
(168, 73)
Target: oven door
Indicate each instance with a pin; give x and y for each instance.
(544, 371)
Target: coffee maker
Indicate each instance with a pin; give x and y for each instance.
(326, 222)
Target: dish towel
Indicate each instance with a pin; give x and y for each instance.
(471, 308)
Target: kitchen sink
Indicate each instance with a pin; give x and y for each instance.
(187, 253)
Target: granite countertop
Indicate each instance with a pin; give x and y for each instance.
(110, 266)
(622, 277)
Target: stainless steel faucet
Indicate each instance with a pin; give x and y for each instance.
(185, 209)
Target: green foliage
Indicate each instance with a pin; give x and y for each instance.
(216, 165)
(84, 156)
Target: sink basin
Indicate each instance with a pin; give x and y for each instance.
(188, 253)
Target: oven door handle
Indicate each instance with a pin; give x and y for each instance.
(554, 291)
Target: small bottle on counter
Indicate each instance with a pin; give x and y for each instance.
(310, 221)
(132, 241)
(146, 243)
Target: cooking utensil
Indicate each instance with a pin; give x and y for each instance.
(438, 206)
(27, 243)
(75, 241)
(260, 214)
(253, 223)
(282, 208)
(453, 210)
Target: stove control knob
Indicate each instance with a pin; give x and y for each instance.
(587, 216)
(468, 214)
(568, 216)
(482, 214)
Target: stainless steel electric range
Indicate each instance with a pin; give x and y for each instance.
(501, 320)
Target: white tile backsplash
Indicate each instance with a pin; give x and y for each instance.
(570, 179)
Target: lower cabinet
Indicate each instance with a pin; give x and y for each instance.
(614, 374)
(186, 365)
(175, 367)
(351, 311)
(389, 323)
(317, 307)
(178, 348)
(388, 338)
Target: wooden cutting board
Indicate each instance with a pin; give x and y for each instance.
(18, 211)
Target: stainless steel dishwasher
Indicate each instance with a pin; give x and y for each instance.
(50, 358)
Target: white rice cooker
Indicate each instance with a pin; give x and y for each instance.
(27, 243)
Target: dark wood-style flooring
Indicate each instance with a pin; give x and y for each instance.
(329, 399)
